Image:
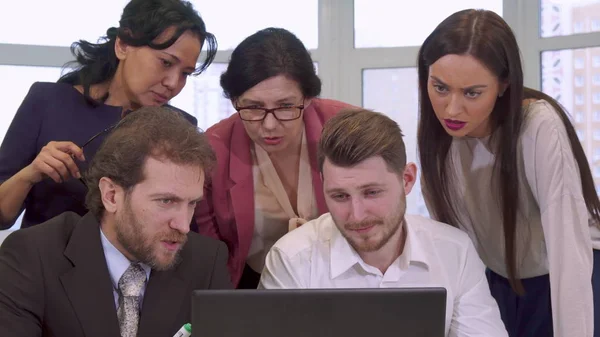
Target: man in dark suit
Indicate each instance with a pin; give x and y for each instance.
(128, 267)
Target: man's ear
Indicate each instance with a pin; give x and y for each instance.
(112, 194)
(409, 177)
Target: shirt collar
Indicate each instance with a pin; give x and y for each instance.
(117, 262)
(343, 256)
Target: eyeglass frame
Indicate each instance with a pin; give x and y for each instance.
(269, 111)
(106, 130)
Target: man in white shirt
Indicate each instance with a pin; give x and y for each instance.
(367, 241)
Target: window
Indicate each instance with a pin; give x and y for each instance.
(597, 154)
(392, 91)
(556, 69)
(203, 97)
(597, 134)
(580, 135)
(568, 17)
(597, 116)
(596, 61)
(58, 19)
(597, 171)
(579, 117)
(596, 98)
(385, 23)
(231, 21)
(17, 80)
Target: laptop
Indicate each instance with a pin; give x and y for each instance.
(406, 312)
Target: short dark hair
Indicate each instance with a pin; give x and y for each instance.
(354, 135)
(265, 54)
(141, 23)
(157, 132)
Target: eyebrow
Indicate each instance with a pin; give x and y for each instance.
(177, 60)
(476, 86)
(361, 187)
(172, 196)
(247, 101)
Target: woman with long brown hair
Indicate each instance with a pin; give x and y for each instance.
(503, 162)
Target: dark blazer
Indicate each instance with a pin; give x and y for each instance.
(55, 111)
(54, 281)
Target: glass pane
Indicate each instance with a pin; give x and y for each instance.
(63, 21)
(571, 76)
(14, 83)
(568, 17)
(394, 92)
(385, 23)
(203, 97)
(233, 20)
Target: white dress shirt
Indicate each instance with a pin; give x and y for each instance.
(117, 265)
(555, 233)
(316, 255)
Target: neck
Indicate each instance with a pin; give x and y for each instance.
(383, 258)
(115, 90)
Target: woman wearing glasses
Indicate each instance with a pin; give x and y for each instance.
(267, 181)
(143, 62)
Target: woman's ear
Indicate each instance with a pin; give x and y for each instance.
(121, 49)
(503, 87)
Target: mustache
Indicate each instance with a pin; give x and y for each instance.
(362, 224)
(174, 237)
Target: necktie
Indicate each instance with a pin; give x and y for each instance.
(130, 287)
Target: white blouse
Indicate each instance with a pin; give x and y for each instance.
(554, 234)
(274, 215)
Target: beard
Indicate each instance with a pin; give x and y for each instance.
(385, 228)
(146, 247)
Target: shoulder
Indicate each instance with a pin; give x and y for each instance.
(53, 88)
(50, 91)
(223, 129)
(187, 116)
(306, 237)
(443, 236)
(541, 116)
(46, 237)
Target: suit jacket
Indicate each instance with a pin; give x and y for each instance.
(227, 209)
(54, 281)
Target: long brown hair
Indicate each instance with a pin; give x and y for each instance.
(487, 37)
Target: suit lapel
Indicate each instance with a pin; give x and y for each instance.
(87, 284)
(314, 126)
(242, 191)
(166, 295)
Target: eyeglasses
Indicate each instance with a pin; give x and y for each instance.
(105, 131)
(256, 114)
